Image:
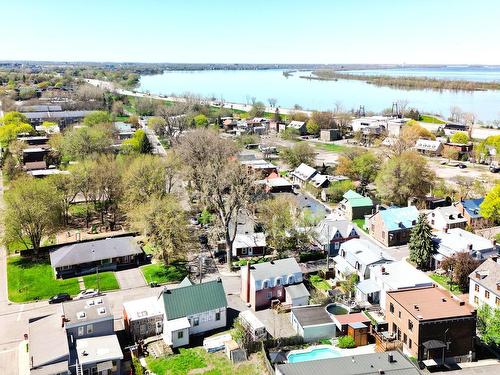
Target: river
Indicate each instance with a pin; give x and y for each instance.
(240, 86)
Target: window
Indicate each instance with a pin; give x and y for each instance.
(196, 322)
(497, 301)
(244, 251)
(269, 295)
(81, 330)
(278, 281)
(405, 338)
(410, 325)
(383, 235)
(265, 284)
(409, 344)
(391, 308)
(399, 314)
(487, 294)
(337, 245)
(90, 329)
(476, 287)
(180, 334)
(476, 300)
(217, 315)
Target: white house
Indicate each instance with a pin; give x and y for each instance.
(429, 147)
(302, 174)
(192, 310)
(445, 218)
(484, 284)
(388, 277)
(312, 322)
(457, 240)
(356, 256)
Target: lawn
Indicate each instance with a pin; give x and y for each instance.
(164, 274)
(443, 281)
(16, 246)
(360, 223)
(431, 119)
(107, 281)
(319, 283)
(332, 147)
(198, 358)
(29, 280)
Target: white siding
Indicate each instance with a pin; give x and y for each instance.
(207, 321)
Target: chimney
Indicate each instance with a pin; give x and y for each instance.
(469, 247)
(63, 320)
(382, 269)
(390, 357)
(445, 229)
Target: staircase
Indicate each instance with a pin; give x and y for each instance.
(79, 370)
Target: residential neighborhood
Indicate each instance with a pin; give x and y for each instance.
(232, 212)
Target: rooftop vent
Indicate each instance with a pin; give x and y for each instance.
(420, 317)
(390, 358)
(81, 315)
(461, 303)
(443, 299)
(415, 307)
(101, 311)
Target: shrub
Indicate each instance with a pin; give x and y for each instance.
(137, 366)
(346, 342)
(310, 255)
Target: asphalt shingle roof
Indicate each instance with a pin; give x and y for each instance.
(194, 299)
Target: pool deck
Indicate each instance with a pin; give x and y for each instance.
(367, 349)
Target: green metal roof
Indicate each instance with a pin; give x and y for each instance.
(194, 299)
(357, 200)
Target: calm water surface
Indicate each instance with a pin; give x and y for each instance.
(240, 85)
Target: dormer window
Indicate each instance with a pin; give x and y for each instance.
(81, 315)
(277, 281)
(290, 279)
(265, 284)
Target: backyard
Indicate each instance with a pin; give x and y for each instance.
(444, 281)
(319, 283)
(332, 147)
(206, 363)
(360, 223)
(160, 273)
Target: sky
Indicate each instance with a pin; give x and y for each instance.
(252, 31)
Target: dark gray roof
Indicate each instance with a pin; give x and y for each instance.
(62, 114)
(352, 365)
(41, 108)
(91, 251)
(311, 315)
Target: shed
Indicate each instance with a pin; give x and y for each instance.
(359, 332)
(297, 295)
(312, 322)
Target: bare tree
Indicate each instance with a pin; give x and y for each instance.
(176, 120)
(402, 105)
(456, 114)
(272, 102)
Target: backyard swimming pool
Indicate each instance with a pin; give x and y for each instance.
(311, 354)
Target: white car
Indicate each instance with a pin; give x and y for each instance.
(87, 293)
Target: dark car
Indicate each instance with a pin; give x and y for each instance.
(462, 166)
(58, 298)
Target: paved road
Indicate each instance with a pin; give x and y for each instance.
(131, 278)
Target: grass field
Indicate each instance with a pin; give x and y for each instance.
(443, 281)
(431, 119)
(30, 281)
(164, 274)
(360, 223)
(319, 283)
(332, 147)
(197, 358)
(107, 281)
(16, 246)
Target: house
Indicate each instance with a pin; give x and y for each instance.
(432, 324)
(78, 339)
(320, 181)
(462, 149)
(63, 118)
(312, 322)
(331, 233)
(106, 254)
(253, 325)
(261, 167)
(356, 256)
(429, 147)
(392, 227)
(445, 218)
(369, 125)
(329, 135)
(355, 206)
(264, 282)
(192, 310)
(470, 209)
(143, 318)
(484, 284)
(251, 244)
(457, 240)
(395, 126)
(392, 362)
(300, 126)
(276, 184)
(390, 276)
(124, 130)
(303, 174)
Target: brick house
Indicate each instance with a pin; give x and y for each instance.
(276, 280)
(470, 209)
(431, 323)
(392, 227)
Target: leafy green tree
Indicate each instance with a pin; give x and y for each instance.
(459, 267)
(337, 189)
(350, 282)
(490, 207)
(297, 154)
(12, 124)
(200, 120)
(404, 176)
(33, 211)
(312, 127)
(460, 138)
(359, 165)
(96, 118)
(488, 324)
(258, 110)
(421, 245)
(290, 134)
(139, 144)
(80, 143)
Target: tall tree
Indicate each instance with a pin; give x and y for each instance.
(65, 186)
(421, 245)
(33, 211)
(404, 176)
(297, 154)
(460, 266)
(488, 324)
(490, 207)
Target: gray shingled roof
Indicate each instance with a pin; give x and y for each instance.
(48, 340)
(352, 365)
(275, 268)
(86, 252)
(311, 315)
(488, 275)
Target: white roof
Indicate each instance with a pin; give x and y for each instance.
(398, 275)
(177, 324)
(98, 349)
(319, 179)
(368, 286)
(458, 240)
(296, 124)
(297, 291)
(251, 319)
(450, 214)
(304, 172)
(249, 240)
(275, 268)
(142, 308)
(427, 145)
(364, 252)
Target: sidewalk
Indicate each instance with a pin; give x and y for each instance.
(23, 358)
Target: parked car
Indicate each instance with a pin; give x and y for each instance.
(87, 293)
(461, 165)
(58, 298)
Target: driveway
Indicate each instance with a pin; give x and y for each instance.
(131, 278)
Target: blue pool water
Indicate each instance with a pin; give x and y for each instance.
(311, 355)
